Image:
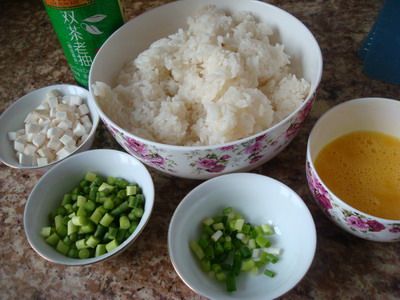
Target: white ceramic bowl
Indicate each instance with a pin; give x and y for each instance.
(13, 118)
(371, 114)
(261, 200)
(46, 196)
(208, 161)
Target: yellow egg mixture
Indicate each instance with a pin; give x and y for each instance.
(363, 169)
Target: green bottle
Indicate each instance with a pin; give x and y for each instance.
(82, 26)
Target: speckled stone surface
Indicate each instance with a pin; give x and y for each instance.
(344, 267)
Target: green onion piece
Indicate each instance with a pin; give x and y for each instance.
(67, 199)
(196, 249)
(121, 183)
(100, 250)
(108, 203)
(133, 227)
(106, 220)
(79, 220)
(269, 273)
(267, 229)
(124, 222)
(272, 258)
(100, 231)
(92, 241)
(120, 209)
(88, 228)
(46, 231)
(239, 224)
(62, 247)
(97, 214)
(131, 190)
(80, 201)
(247, 265)
(112, 233)
(138, 212)
(218, 226)
(73, 253)
(68, 208)
(111, 245)
(230, 283)
(81, 212)
(208, 221)
(220, 276)
(90, 206)
(111, 180)
(262, 241)
(84, 253)
(121, 235)
(71, 228)
(105, 187)
(80, 244)
(90, 176)
(53, 239)
(226, 211)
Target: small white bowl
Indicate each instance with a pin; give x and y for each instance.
(370, 114)
(46, 196)
(261, 200)
(12, 119)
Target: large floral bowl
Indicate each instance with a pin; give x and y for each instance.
(370, 114)
(208, 161)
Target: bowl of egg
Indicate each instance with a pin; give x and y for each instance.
(47, 125)
(353, 167)
(207, 87)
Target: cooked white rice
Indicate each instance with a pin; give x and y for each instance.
(217, 81)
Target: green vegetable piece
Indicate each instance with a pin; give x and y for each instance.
(71, 228)
(62, 247)
(272, 258)
(80, 201)
(121, 183)
(100, 250)
(247, 265)
(111, 180)
(100, 232)
(80, 244)
(53, 239)
(205, 265)
(230, 283)
(73, 253)
(105, 187)
(239, 224)
(138, 211)
(120, 209)
(208, 221)
(90, 176)
(84, 253)
(269, 273)
(108, 203)
(88, 228)
(267, 229)
(262, 241)
(68, 208)
(46, 231)
(196, 249)
(79, 220)
(227, 211)
(90, 206)
(106, 220)
(133, 227)
(97, 214)
(92, 242)
(131, 190)
(111, 245)
(218, 226)
(81, 212)
(252, 244)
(124, 222)
(67, 199)
(121, 235)
(112, 233)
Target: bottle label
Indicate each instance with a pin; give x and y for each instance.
(82, 26)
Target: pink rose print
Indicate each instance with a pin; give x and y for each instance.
(227, 148)
(253, 148)
(319, 192)
(375, 226)
(261, 138)
(395, 229)
(137, 147)
(156, 159)
(255, 158)
(212, 163)
(207, 163)
(357, 223)
(295, 126)
(292, 130)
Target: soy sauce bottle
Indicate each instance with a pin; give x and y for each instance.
(82, 26)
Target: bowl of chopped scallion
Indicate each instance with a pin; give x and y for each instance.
(242, 236)
(89, 207)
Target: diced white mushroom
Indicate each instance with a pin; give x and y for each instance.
(42, 161)
(29, 149)
(83, 109)
(12, 135)
(79, 130)
(38, 139)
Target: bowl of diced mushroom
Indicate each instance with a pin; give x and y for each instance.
(47, 125)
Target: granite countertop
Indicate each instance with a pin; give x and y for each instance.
(344, 266)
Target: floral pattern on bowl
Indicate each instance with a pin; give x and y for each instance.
(348, 218)
(207, 162)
